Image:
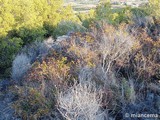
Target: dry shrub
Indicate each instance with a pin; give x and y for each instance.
(37, 95)
(38, 49)
(20, 66)
(115, 46)
(82, 50)
(28, 55)
(145, 58)
(108, 48)
(105, 46)
(31, 104)
(80, 102)
(50, 69)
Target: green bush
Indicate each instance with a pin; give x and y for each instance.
(154, 10)
(65, 27)
(87, 18)
(49, 28)
(31, 35)
(112, 16)
(8, 48)
(139, 12)
(25, 21)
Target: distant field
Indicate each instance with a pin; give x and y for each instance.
(82, 6)
(85, 6)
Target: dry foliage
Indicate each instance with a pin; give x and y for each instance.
(80, 102)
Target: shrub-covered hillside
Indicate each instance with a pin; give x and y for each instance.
(25, 21)
(59, 65)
